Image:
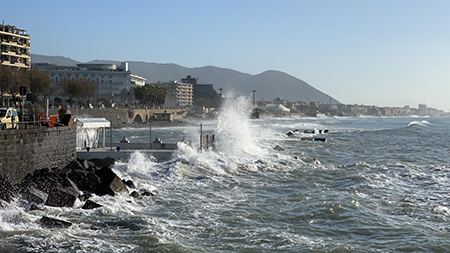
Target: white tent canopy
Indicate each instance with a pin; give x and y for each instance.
(93, 122)
(88, 131)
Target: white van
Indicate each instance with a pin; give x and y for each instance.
(9, 118)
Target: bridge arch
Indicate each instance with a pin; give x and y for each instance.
(138, 119)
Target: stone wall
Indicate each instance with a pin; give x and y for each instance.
(25, 150)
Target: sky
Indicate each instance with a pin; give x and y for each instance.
(371, 52)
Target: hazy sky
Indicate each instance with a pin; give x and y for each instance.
(372, 52)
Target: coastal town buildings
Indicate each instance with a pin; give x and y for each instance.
(199, 90)
(179, 95)
(113, 82)
(15, 47)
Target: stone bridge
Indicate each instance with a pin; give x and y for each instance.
(142, 115)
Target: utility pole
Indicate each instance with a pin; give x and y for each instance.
(254, 95)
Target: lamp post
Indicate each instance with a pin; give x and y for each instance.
(254, 95)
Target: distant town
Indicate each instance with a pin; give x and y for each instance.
(109, 85)
(316, 109)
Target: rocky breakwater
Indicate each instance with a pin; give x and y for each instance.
(62, 187)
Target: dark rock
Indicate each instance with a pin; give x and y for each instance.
(75, 165)
(84, 180)
(279, 148)
(61, 197)
(289, 133)
(129, 183)
(110, 183)
(146, 193)
(33, 195)
(53, 223)
(85, 196)
(100, 163)
(135, 194)
(34, 207)
(7, 191)
(90, 205)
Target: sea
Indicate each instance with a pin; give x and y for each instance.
(377, 184)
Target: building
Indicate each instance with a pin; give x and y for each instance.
(179, 95)
(423, 109)
(200, 90)
(15, 47)
(113, 82)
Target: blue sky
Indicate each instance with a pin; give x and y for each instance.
(378, 52)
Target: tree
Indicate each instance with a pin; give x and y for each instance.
(86, 89)
(11, 80)
(39, 85)
(81, 89)
(6, 76)
(149, 94)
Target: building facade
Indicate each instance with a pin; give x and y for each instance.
(15, 47)
(113, 82)
(179, 95)
(200, 90)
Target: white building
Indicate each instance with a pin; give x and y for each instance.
(112, 81)
(14, 47)
(179, 95)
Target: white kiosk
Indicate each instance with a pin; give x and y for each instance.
(88, 132)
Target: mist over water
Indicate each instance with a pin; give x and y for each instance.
(382, 186)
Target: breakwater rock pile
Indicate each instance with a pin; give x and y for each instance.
(62, 187)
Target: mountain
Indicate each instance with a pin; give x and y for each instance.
(268, 85)
(57, 60)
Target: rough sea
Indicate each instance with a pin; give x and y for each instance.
(382, 185)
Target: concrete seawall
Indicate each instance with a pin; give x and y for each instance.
(25, 150)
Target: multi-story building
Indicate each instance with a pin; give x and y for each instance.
(113, 82)
(179, 95)
(15, 47)
(200, 90)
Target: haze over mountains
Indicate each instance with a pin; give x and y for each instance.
(268, 85)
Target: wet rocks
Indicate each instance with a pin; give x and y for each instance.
(129, 183)
(135, 195)
(110, 183)
(53, 223)
(7, 191)
(90, 205)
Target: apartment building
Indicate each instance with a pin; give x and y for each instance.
(113, 82)
(179, 95)
(15, 47)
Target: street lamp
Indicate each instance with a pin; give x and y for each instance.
(254, 95)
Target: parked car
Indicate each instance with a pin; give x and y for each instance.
(9, 118)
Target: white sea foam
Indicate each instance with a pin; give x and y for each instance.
(234, 132)
(419, 123)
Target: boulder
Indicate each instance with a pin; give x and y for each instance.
(85, 196)
(75, 165)
(135, 194)
(84, 180)
(90, 205)
(53, 223)
(61, 197)
(33, 194)
(278, 148)
(129, 183)
(110, 183)
(100, 163)
(7, 191)
(146, 193)
(34, 207)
